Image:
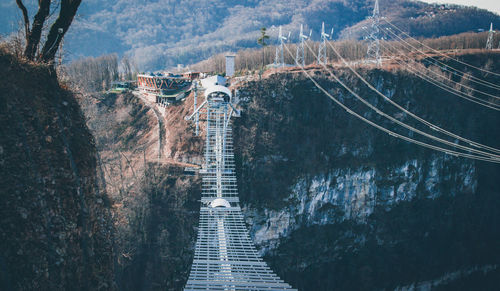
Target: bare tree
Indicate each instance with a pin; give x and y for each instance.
(93, 74)
(57, 31)
(25, 17)
(127, 68)
(59, 28)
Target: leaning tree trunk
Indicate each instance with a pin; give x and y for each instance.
(58, 29)
(33, 37)
(25, 17)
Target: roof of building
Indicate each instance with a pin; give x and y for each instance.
(160, 76)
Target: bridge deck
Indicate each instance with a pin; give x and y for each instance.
(225, 257)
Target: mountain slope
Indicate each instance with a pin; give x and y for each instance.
(163, 33)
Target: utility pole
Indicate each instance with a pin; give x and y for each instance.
(373, 52)
(322, 59)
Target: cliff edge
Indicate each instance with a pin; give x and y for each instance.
(55, 224)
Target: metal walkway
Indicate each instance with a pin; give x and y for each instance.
(225, 257)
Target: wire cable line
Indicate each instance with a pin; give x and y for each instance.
(445, 66)
(418, 118)
(436, 51)
(430, 136)
(402, 55)
(392, 133)
(448, 88)
(441, 76)
(445, 86)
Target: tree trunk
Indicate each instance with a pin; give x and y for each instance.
(33, 37)
(25, 17)
(59, 28)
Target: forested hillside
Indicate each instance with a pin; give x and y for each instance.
(163, 33)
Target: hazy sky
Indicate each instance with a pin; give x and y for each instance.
(492, 5)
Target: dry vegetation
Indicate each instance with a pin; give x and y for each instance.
(93, 74)
(252, 59)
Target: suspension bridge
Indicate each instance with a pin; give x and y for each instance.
(225, 257)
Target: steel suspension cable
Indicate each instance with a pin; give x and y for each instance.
(447, 87)
(445, 78)
(456, 60)
(380, 112)
(447, 67)
(427, 123)
(392, 133)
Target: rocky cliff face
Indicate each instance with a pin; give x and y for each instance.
(155, 205)
(331, 203)
(336, 205)
(55, 221)
(353, 194)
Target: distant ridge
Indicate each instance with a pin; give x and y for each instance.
(159, 34)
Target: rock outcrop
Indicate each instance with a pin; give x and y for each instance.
(335, 204)
(55, 222)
